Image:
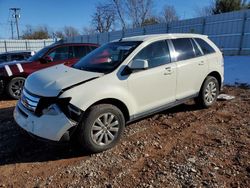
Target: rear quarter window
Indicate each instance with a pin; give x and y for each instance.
(205, 47)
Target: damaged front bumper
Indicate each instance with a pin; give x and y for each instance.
(50, 126)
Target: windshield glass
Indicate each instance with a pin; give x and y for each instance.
(39, 54)
(106, 58)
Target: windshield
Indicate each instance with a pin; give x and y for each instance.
(39, 54)
(106, 58)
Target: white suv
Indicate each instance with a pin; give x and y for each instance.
(120, 82)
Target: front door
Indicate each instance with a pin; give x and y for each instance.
(155, 87)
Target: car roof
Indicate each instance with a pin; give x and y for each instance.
(17, 52)
(65, 42)
(162, 36)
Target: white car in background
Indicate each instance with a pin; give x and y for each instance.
(119, 82)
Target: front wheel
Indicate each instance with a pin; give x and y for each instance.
(101, 128)
(208, 93)
(15, 86)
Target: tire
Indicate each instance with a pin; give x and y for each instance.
(96, 134)
(208, 93)
(15, 86)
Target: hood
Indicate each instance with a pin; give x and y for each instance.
(49, 82)
(13, 63)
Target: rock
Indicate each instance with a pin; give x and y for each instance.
(216, 168)
(68, 171)
(193, 170)
(192, 160)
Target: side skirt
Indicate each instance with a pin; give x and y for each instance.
(160, 109)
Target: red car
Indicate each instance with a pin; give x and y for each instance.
(13, 74)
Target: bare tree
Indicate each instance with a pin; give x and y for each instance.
(70, 31)
(59, 34)
(169, 14)
(88, 30)
(120, 11)
(138, 11)
(204, 11)
(104, 18)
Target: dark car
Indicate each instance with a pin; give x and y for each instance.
(13, 74)
(15, 56)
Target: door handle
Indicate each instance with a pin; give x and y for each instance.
(168, 71)
(201, 63)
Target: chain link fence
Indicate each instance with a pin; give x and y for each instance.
(14, 45)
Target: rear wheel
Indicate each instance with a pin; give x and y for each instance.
(101, 128)
(209, 92)
(15, 86)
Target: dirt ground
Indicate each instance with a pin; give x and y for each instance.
(181, 147)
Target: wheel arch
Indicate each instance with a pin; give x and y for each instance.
(217, 76)
(119, 104)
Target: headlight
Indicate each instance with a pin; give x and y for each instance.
(47, 104)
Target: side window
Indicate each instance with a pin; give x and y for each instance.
(61, 53)
(17, 57)
(183, 48)
(79, 51)
(206, 48)
(156, 54)
(197, 50)
(3, 58)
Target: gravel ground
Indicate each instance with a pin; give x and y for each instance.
(181, 147)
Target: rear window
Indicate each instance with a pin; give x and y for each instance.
(17, 57)
(183, 48)
(205, 47)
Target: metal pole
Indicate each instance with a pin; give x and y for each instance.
(203, 26)
(17, 29)
(167, 29)
(16, 16)
(97, 38)
(12, 32)
(242, 33)
(5, 46)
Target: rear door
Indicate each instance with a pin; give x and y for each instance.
(192, 67)
(78, 52)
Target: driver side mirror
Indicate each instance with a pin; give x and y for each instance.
(138, 64)
(46, 59)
